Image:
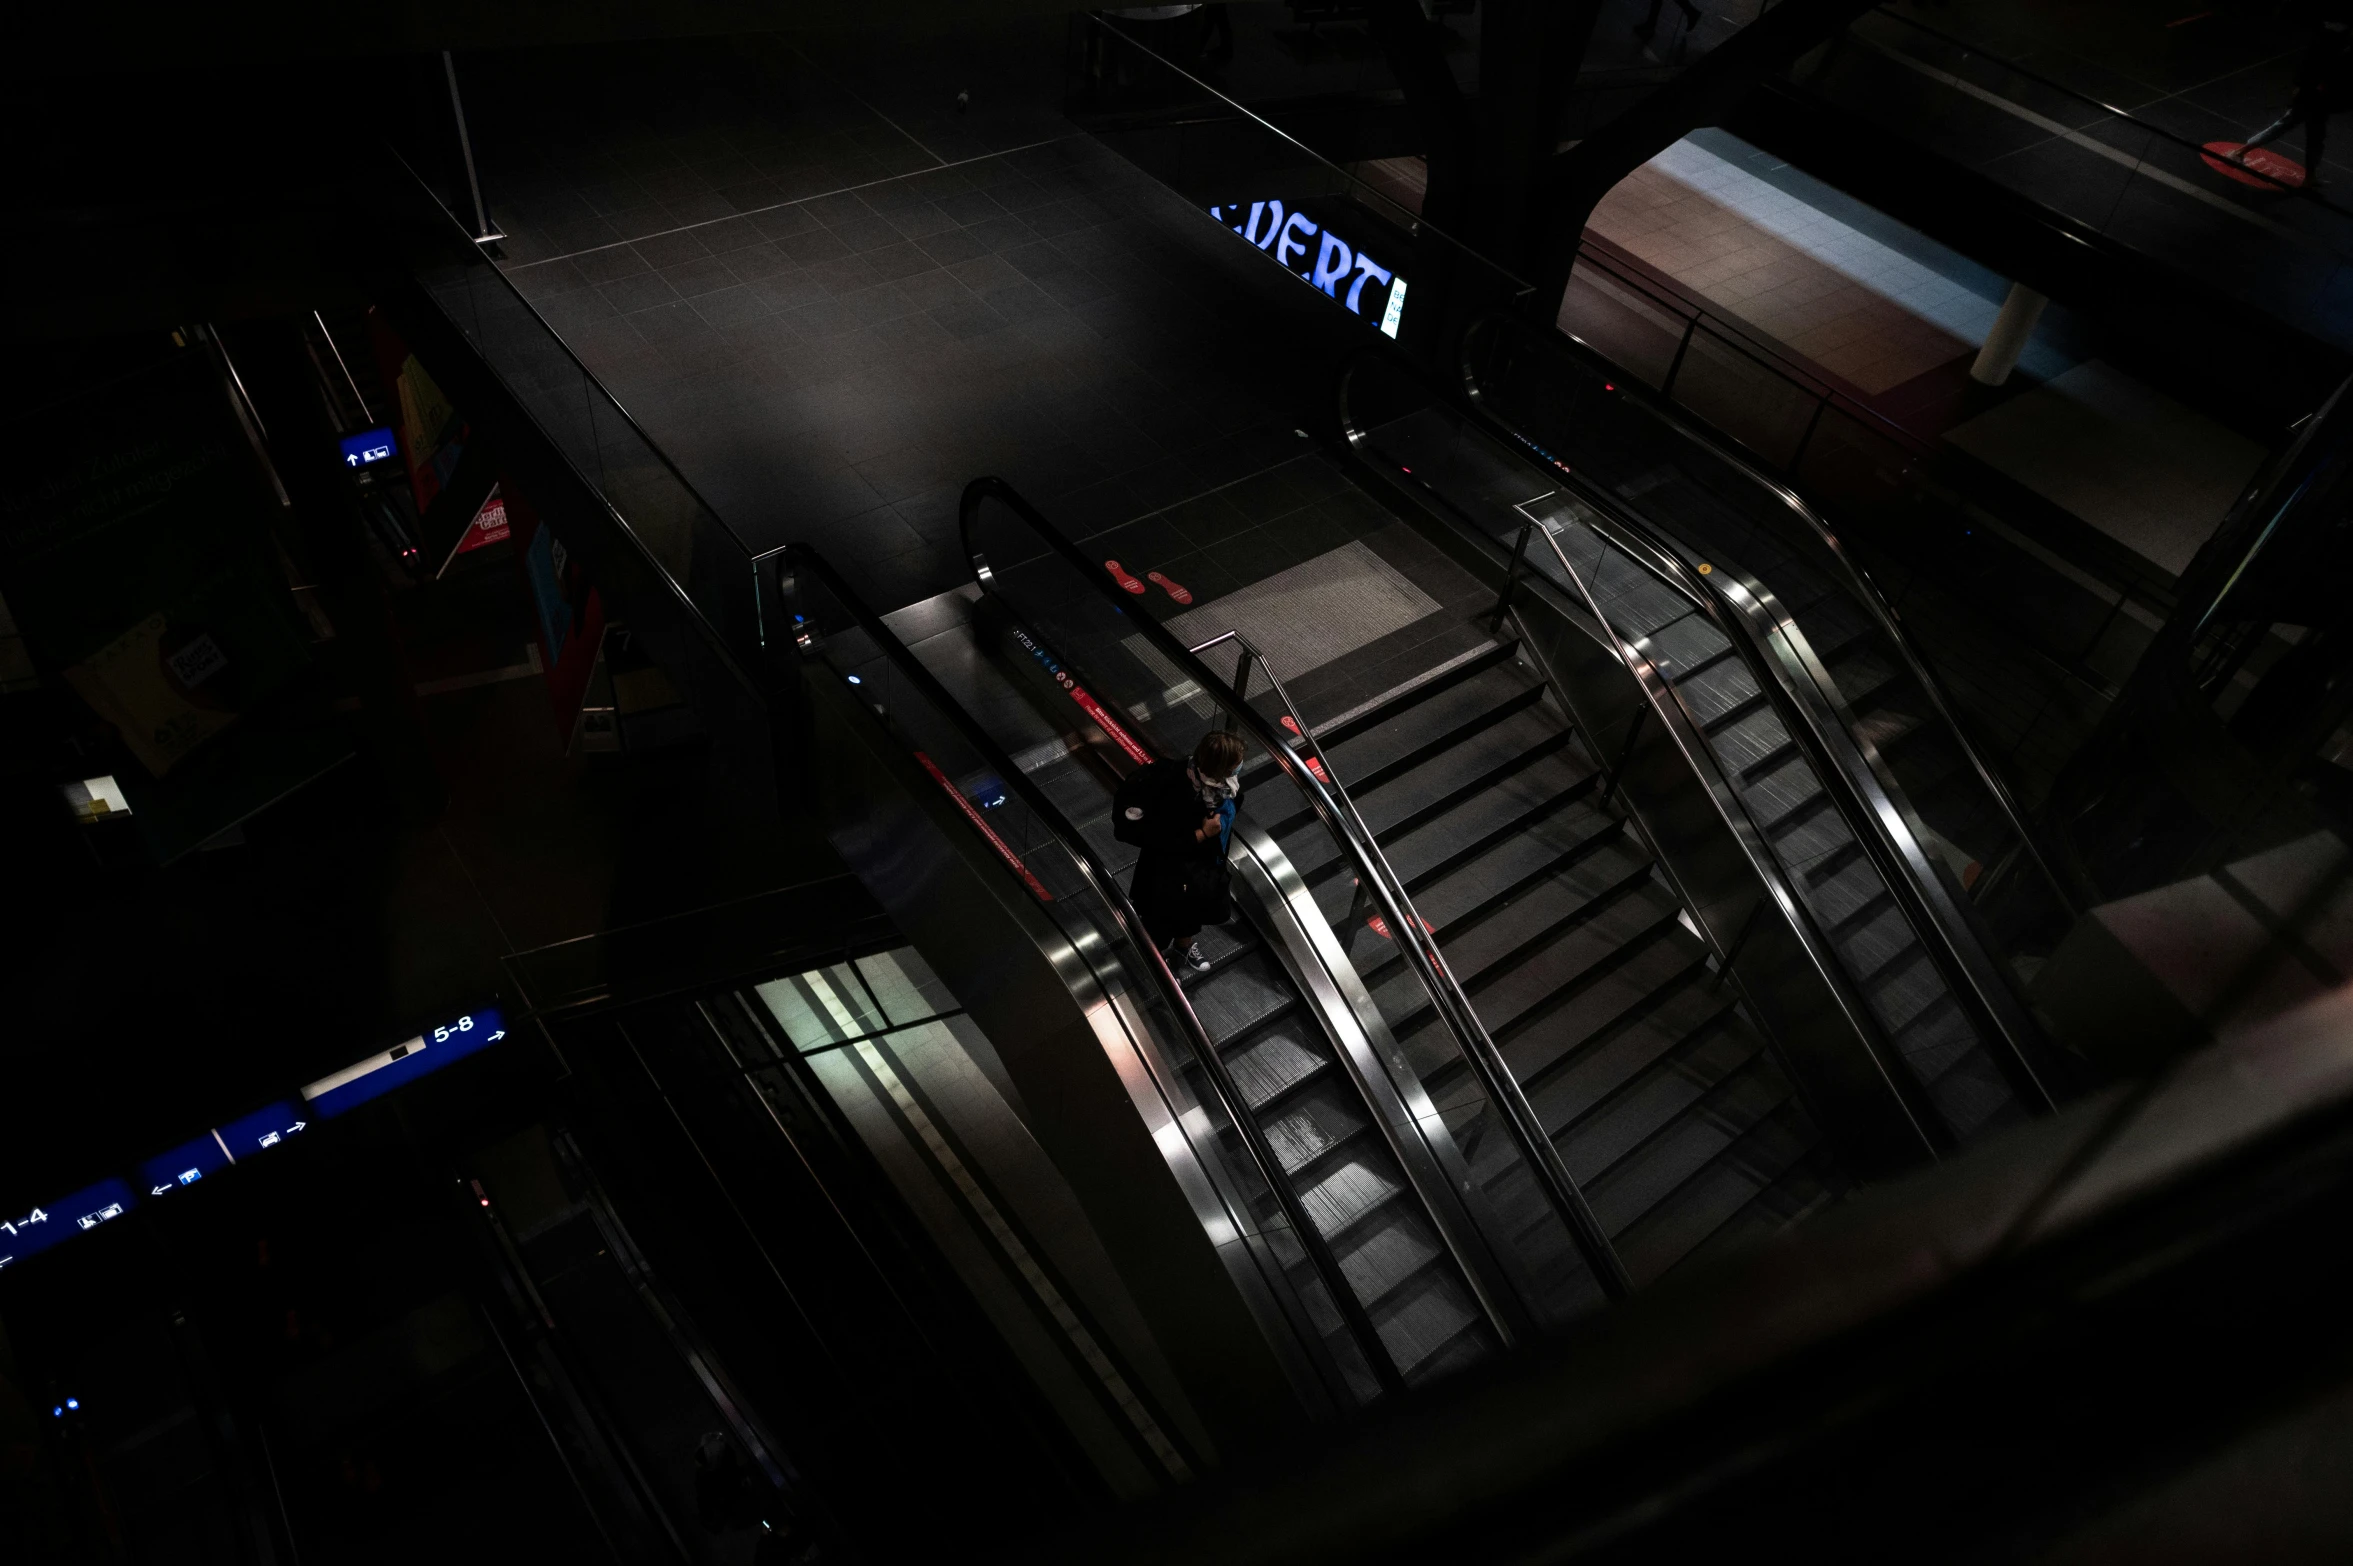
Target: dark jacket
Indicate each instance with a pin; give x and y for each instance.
(1180, 885)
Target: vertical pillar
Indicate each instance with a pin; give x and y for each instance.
(2012, 329)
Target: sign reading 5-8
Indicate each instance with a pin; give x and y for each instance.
(1318, 257)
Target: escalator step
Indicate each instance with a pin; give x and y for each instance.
(1425, 1322)
(1907, 989)
(1346, 1196)
(1751, 743)
(1239, 996)
(1320, 1124)
(1379, 1264)
(1688, 646)
(1716, 692)
(1273, 1064)
(1843, 886)
(1637, 604)
(1877, 943)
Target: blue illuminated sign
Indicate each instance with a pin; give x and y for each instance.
(29, 1233)
(37, 1229)
(1318, 257)
(367, 446)
(184, 1165)
(262, 1130)
(428, 1051)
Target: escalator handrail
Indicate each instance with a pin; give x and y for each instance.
(1231, 1099)
(1453, 1008)
(1816, 529)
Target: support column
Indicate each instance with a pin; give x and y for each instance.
(2012, 329)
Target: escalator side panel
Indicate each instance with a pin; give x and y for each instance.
(1072, 1056)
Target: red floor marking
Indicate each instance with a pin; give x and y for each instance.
(1290, 723)
(1174, 591)
(2261, 162)
(1380, 926)
(1119, 574)
(1317, 767)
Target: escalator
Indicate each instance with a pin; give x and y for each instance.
(1488, 815)
(1260, 1084)
(1778, 780)
(1317, 1116)
(1858, 781)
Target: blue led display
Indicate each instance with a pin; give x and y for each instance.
(428, 1051)
(31, 1232)
(367, 446)
(262, 1130)
(183, 1165)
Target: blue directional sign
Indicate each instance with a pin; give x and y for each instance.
(184, 1165)
(250, 1135)
(35, 1230)
(428, 1051)
(367, 446)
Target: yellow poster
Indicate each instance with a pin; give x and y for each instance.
(167, 690)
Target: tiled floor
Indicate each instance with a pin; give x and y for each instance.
(832, 297)
(1854, 306)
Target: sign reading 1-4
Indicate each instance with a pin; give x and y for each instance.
(1319, 258)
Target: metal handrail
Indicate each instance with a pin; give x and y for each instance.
(1231, 1099)
(1856, 580)
(1324, 795)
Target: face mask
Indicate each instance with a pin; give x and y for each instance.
(1215, 789)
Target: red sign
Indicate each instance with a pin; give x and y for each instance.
(489, 524)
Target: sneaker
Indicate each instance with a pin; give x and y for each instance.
(1191, 957)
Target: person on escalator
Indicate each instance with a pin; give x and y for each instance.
(1181, 815)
